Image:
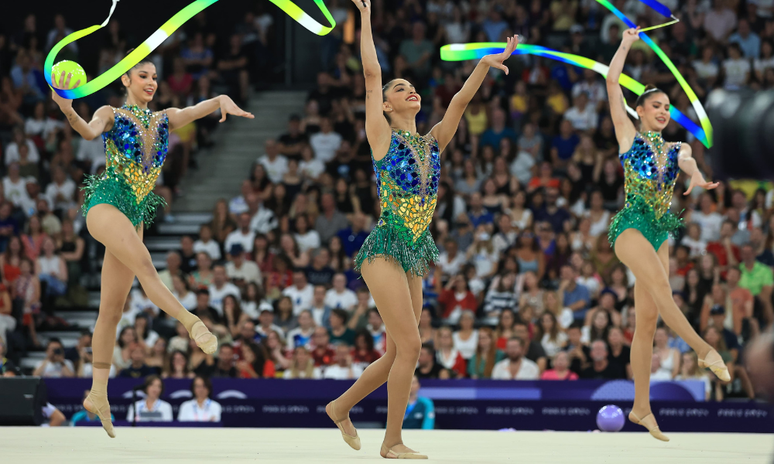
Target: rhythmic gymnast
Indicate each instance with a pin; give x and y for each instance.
(395, 255)
(639, 232)
(120, 201)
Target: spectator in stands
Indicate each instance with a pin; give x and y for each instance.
(61, 191)
(138, 369)
(575, 296)
(668, 358)
(486, 356)
(177, 366)
(497, 131)
(466, 338)
(320, 272)
(427, 366)
(301, 292)
(377, 330)
(552, 337)
(338, 332)
(15, 188)
(600, 367)
(326, 142)
(340, 296)
(152, 408)
(244, 235)
(560, 368)
(33, 239)
(187, 254)
(582, 116)
(533, 350)
(359, 315)
(759, 280)
(292, 142)
(447, 355)
(233, 318)
(417, 52)
(221, 287)
(343, 368)
(741, 299)
(146, 336)
(241, 271)
(276, 165)
(364, 353)
(456, 298)
(206, 243)
(301, 335)
(27, 289)
(709, 220)
(222, 366)
(330, 221)
(322, 352)
(451, 260)
(55, 364)
(321, 312)
(275, 347)
(302, 366)
(203, 276)
(516, 365)
(580, 354)
(9, 226)
(307, 239)
(202, 408)
(173, 270)
(620, 354)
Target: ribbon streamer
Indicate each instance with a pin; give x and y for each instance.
(158, 37)
(472, 51)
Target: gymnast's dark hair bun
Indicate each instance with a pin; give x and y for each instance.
(649, 91)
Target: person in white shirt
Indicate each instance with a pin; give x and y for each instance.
(307, 239)
(592, 87)
(140, 303)
(151, 409)
(320, 311)
(266, 324)
(240, 270)
(582, 114)
(19, 138)
(515, 366)
(60, 192)
(343, 369)
(451, 260)
(340, 296)
(206, 243)
(238, 205)
(15, 187)
(40, 124)
(326, 142)
(243, 236)
(310, 166)
(301, 292)
(709, 220)
(301, 335)
(276, 165)
(55, 364)
(201, 408)
(262, 220)
(221, 287)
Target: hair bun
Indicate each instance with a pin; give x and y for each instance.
(650, 87)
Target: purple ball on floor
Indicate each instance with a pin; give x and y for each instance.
(610, 418)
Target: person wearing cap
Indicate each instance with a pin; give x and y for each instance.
(266, 323)
(240, 270)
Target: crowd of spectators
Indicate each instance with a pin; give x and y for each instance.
(527, 285)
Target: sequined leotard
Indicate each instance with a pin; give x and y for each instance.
(135, 150)
(407, 186)
(650, 171)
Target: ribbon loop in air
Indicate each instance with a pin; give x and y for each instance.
(158, 37)
(472, 51)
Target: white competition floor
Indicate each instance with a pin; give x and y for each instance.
(31, 445)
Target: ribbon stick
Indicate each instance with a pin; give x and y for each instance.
(158, 37)
(472, 51)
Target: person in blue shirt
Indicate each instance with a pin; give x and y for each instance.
(576, 296)
(420, 413)
(748, 41)
(498, 131)
(352, 238)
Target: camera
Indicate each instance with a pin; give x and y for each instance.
(58, 351)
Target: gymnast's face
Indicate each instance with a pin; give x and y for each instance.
(401, 98)
(141, 82)
(654, 112)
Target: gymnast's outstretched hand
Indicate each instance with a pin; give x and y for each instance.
(496, 61)
(697, 180)
(227, 106)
